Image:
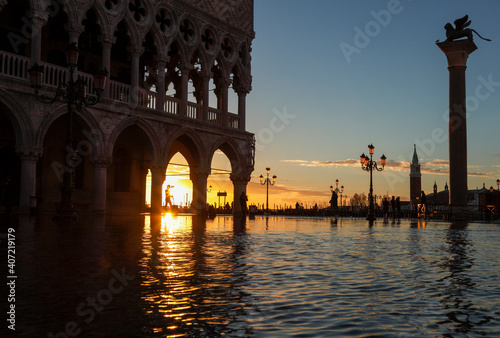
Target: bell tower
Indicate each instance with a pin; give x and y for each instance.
(415, 179)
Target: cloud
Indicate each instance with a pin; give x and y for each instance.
(340, 163)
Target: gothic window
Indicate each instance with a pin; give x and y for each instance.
(207, 38)
(137, 9)
(187, 30)
(227, 48)
(111, 4)
(164, 20)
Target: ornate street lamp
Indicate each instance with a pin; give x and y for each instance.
(368, 164)
(74, 94)
(338, 191)
(267, 182)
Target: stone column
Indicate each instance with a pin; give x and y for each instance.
(158, 177)
(107, 43)
(457, 53)
(29, 156)
(101, 164)
(185, 69)
(240, 186)
(160, 84)
(242, 106)
(38, 20)
(199, 178)
(206, 80)
(135, 53)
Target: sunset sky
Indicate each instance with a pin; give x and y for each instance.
(331, 77)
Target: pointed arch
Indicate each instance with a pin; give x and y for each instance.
(19, 119)
(233, 152)
(50, 117)
(189, 144)
(154, 142)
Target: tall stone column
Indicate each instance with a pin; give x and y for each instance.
(158, 177)
(38, 19)
(457, 53)
(205, 85)
(106, 43)
(101, 164)
(199, 178)
(185, 69)
(29, 156)
(239, 186)
(160, 84)
(135, 53)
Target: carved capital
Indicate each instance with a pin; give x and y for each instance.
(200, 173)
(240, 178)
(135, 50)
(157, 168)
(107, 40)
(100, 161)
(74, 28)
(38, 18)
(29, 153)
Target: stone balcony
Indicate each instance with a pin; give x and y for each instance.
(16, 68)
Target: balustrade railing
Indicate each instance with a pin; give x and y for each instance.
(193, 110)
(172, 105)
(16, 66)
(146, 98)
(119, 91)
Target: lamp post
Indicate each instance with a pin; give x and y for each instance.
(73, 93)
(368, 164)
(267, 182)
(498, 184)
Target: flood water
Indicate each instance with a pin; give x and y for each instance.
(164, 276)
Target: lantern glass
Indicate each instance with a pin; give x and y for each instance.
(36, 73)
(331, 188)
(100, 80)
(371, 148)
(342, 189)
(274, 178)
(383, 160)
(362, 158)
(261, 178)
(72, 55)
(268, 170)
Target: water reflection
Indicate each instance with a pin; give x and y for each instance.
(192, 282)
(458, 286)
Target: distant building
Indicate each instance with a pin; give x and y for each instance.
(415, 179)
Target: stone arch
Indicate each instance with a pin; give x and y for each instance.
(142, 124)
(19, 119)
(233, 152)
(50, 117)
(189, 144)
(132, 32)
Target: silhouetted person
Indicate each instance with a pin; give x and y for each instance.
(168, 196)
(243, 203)
(423, 201)
(385, 207)
(393, 207)
(398, 206)
(333, 202)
